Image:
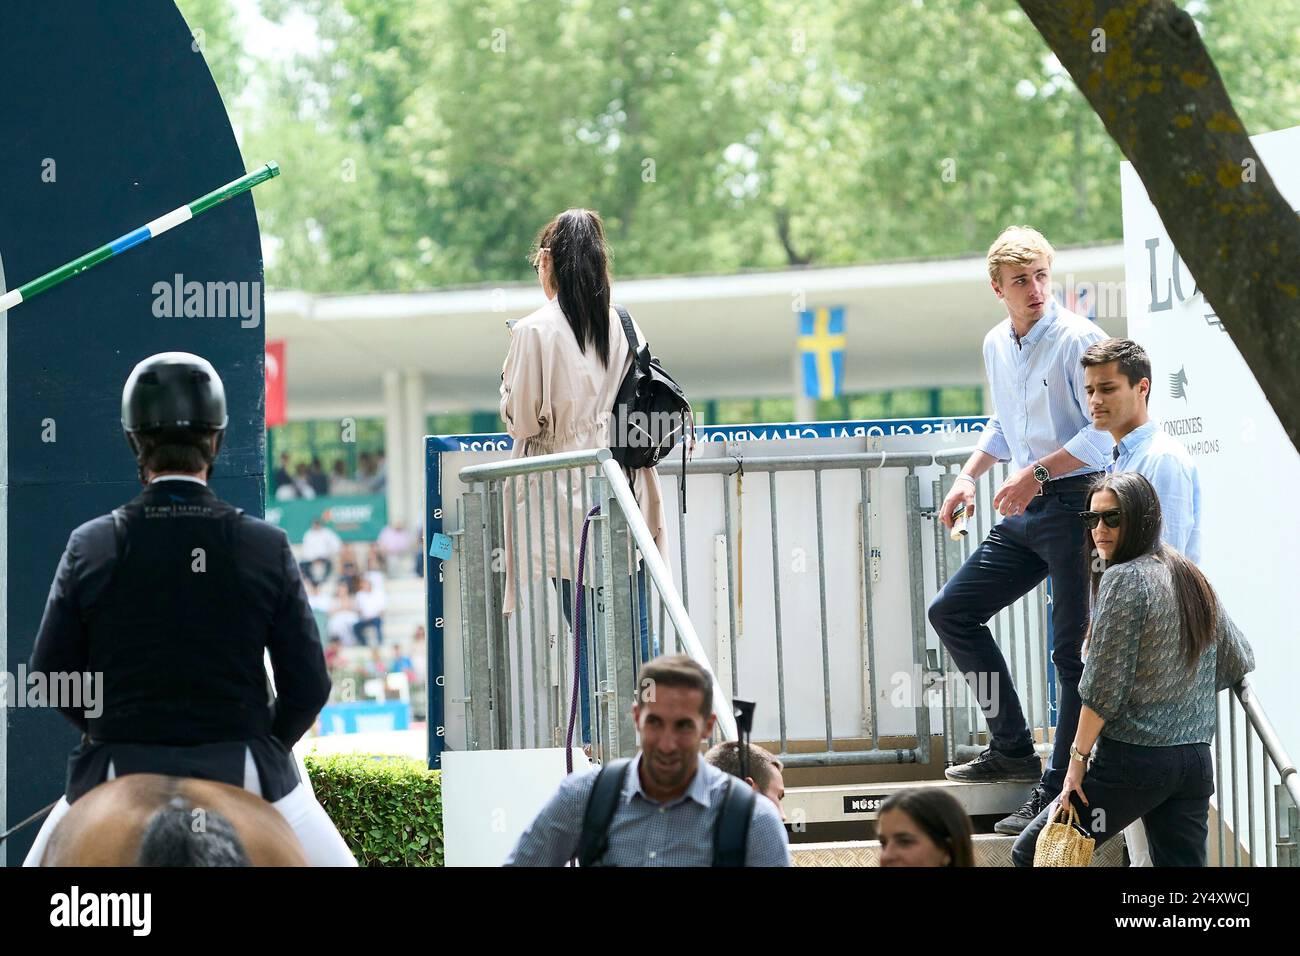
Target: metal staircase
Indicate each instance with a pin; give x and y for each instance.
(517, 670)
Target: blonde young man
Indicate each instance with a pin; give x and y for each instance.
(1041, 424)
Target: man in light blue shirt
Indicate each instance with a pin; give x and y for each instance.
(1117, 377)
(670, 802)
(1040, 423)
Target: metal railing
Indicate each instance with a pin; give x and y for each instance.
(1279, 836)
(521, 690)
(520, 667)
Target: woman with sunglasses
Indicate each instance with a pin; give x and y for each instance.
(1160, 647)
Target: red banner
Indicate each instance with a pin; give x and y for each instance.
(275, 402)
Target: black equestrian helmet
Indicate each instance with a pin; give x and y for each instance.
(173, 391)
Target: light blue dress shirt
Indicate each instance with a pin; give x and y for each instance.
(1039, 402)
(1165, 463)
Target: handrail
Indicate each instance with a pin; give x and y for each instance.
(731, 464)
(663, 580)
(659, 572)
(1286, 767)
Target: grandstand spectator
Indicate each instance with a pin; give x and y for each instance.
(320, 546)
(339, 481)
(370, 606)
(765, 771)
(419, 654)
(317, 598)
(396, 543)
(281, 476)
(333, 651)
(666, 801)
(349, 571)
(343, 616)
(924, 826)
(379, 479)
(1160, 647)
(317, 480)
(302, 482)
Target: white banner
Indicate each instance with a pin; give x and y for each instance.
(1204, 395)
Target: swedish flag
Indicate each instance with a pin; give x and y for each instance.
(821, 343)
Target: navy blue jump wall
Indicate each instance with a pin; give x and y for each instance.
(109, 119)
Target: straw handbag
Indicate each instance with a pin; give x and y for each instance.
(1064, 842)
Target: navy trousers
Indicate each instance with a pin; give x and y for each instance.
(1168, 788)
(1047, 539)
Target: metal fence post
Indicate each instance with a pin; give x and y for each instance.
(474, 611)
(620, 641)
(502, 694)
(916, 583)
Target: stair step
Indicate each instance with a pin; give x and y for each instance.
(991, 849)
(854, 803)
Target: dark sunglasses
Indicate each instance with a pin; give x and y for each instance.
(1112, 518)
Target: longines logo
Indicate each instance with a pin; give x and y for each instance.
(1173, 286)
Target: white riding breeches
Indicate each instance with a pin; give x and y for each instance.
(321, 842)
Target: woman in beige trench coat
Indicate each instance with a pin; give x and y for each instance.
(561, 376)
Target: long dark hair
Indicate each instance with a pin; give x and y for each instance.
(941, 817)
(575, 242)
(1140, 524)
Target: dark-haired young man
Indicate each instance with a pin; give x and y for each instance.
(668, 801)
(1117, 378)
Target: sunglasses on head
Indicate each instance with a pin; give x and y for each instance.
(1112, 518)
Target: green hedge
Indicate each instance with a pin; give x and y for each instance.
(389, 809)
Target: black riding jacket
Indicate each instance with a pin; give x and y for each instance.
(174, 599)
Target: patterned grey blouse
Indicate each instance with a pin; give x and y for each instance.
(1134, 676)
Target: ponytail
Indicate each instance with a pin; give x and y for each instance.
(575, 242)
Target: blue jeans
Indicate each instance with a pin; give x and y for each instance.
(1047, 539)
(648, 642)
(1168, 788)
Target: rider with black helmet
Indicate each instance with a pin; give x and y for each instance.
(174, 598)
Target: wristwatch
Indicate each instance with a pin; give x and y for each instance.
(1042, 476)
(1075, 755)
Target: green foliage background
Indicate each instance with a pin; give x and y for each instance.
(388, 809)
(424, 144)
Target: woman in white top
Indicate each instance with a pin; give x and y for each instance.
(561, 376)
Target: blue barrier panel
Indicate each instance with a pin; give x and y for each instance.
(364, 717)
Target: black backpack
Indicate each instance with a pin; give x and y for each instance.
(651, 412)
(730, 829)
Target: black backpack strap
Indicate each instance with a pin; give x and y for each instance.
(601, 806)
(731, 829)
(628, 328)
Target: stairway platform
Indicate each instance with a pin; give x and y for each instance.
(860, 802)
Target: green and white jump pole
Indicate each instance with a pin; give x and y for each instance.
(136, 236)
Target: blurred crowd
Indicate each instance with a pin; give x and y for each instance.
(310, 479)
(347, 587)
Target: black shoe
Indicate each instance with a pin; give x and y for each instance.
(994, 767)
(1015, 824)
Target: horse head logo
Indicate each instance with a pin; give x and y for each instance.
(1178, 383)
